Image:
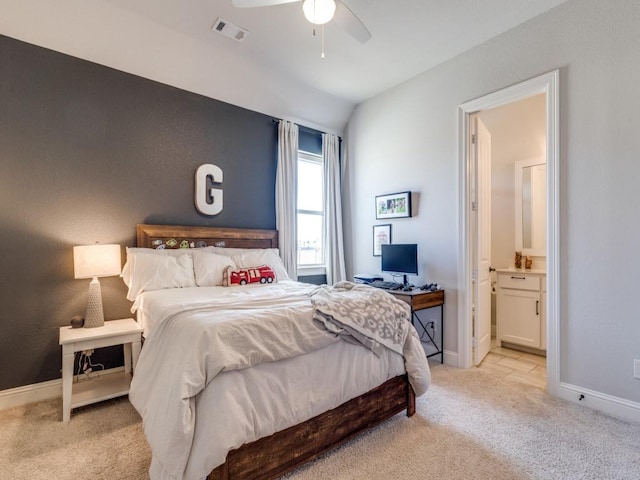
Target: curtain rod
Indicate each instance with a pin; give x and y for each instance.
(307, 129)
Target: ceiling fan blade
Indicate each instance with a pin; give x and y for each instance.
(350, 22)
(260, 3)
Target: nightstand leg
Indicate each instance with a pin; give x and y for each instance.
(67, 384)
(127, 357)
(135, 347)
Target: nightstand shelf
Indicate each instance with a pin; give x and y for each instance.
(99, 388)
(126, 332)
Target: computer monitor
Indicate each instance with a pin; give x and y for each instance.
(400, 258)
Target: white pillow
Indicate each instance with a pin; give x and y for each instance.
(209, 267)
(132, 252)
(155, 272)
(262, 256)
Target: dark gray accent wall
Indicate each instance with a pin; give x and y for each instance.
(315, 279)
(309, 140)
(86, 153)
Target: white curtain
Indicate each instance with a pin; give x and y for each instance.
(286, 195)
(333, 243)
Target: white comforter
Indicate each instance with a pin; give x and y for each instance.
(199, 398)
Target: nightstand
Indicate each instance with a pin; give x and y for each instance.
(126, 332)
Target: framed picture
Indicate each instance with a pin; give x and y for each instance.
(381, 236)
(394, 205)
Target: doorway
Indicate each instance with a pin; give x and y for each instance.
(546, 85)
(510, 210)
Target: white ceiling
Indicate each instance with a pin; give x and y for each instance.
(171, 41)
(408, 36)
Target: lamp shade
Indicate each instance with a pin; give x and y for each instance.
(319, 12)
(96, 260)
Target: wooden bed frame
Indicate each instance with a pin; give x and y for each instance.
(271, 457)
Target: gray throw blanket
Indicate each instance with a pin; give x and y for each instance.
(363, 314)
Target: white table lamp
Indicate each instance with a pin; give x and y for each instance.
(93, 261)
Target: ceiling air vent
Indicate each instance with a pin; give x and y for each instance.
(230, 30)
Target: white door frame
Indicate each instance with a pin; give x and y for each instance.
(548, 84)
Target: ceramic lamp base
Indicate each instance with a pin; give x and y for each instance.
(94, 316)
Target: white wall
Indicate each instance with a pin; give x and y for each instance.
(405, 139)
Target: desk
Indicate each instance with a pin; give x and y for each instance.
(420, 300)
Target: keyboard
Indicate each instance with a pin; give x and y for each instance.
(386, 285)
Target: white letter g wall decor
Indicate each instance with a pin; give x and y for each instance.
(208, 200)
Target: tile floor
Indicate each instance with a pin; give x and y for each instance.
(515, 365)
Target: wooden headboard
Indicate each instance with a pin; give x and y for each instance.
(173, 236)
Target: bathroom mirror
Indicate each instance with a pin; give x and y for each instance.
(531, 206)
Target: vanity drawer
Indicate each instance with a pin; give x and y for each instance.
(519, 281)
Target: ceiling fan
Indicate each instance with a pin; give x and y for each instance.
(320, 12)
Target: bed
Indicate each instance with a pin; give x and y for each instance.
(358, 403)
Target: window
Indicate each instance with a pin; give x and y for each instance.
(310, 210)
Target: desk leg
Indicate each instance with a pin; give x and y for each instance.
(67, 384)
(439, 348)
(442, 333)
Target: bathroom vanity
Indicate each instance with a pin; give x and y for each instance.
(521, 300)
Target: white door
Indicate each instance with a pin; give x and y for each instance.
(481, 143)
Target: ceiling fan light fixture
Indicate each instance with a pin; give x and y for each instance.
(319, 12)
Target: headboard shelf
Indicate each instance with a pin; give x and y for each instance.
(173, 236)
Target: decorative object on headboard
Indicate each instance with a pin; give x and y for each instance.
(172, 243)
(208, 201)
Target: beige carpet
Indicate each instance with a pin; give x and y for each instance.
(470, 425)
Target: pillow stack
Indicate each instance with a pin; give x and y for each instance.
(147, 269)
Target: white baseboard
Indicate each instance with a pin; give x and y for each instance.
(36, 392)
(15, 397)
(614, 406)
(451, 358)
